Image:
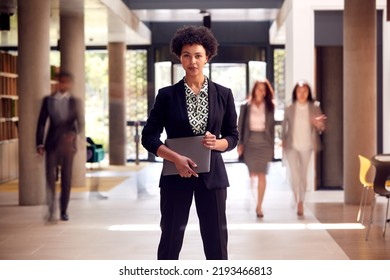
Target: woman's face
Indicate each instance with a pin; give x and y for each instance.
(302, 94)
(193, 58)
(260, 92)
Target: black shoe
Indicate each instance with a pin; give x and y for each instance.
(64, 217)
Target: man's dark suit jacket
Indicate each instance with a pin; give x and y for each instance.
(170, 112)
(57, 129)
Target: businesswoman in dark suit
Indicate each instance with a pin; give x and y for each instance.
(193, 106)
(256, 125)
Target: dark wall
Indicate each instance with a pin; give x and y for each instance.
(329, 88)
(328, 28)
(227, 33)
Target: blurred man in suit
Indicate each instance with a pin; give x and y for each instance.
(62, 111)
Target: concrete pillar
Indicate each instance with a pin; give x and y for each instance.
(72, 48)
(117, 108)
(33, 85)
(359, 91)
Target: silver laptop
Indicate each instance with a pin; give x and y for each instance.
(191, 147)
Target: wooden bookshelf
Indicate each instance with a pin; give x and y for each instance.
(9, 117)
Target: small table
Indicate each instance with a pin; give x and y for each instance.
(382, 172)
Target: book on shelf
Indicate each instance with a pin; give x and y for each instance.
(8, 96)
(8, 62)
(8, 130)
(8, 85)
(9, 108)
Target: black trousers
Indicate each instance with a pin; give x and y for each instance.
(54, 159)
(175, 203)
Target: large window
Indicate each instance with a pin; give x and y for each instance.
(280, 92)
(96, 96)
(136, 102)
(257, 70)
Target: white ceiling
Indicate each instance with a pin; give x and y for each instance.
(111, 20)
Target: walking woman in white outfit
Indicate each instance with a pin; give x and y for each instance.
(302, 124)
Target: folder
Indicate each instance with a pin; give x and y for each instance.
(190, 147)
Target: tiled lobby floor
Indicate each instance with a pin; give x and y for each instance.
(125, 226)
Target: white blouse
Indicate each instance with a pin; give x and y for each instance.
(257, 117)
(302, 128)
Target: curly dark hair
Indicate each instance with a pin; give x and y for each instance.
(189, 35)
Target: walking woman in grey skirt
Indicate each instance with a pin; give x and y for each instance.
(256, 126)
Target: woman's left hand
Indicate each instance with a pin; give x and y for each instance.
(319, 122)
(209, 141)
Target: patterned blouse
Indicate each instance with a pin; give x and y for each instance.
(197, 107)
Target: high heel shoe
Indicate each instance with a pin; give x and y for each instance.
(259, 214)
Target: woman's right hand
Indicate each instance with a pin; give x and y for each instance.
(184, 166)
(182, 163)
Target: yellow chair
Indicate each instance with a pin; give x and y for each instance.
(365, 165)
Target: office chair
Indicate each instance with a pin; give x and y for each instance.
(382, 172)
(95, 152)
(365, 165)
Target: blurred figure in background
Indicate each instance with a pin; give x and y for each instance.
(62, 111)
(302, 124)
(256, 126)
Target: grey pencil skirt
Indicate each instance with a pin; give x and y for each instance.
(258, 152)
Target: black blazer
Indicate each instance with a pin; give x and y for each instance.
(170, 112)
(57, 129)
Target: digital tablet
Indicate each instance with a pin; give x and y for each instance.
(191, 147)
